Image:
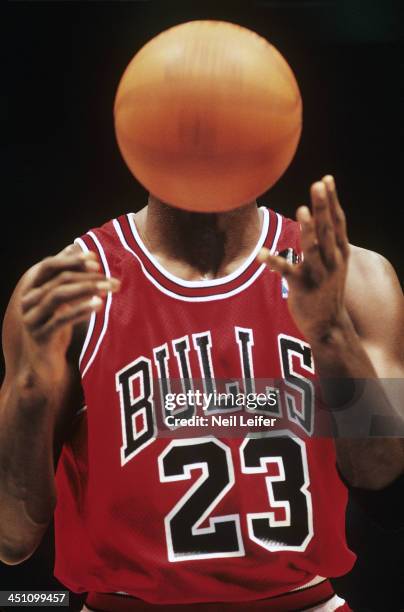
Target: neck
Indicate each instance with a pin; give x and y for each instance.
(204, 244)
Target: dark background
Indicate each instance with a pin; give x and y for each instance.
(63, 172)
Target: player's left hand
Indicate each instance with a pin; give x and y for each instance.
(317, 284)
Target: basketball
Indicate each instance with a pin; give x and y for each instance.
(208, 116)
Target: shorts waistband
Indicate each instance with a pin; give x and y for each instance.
(301, 599)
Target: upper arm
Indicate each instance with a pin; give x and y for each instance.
(375, 303)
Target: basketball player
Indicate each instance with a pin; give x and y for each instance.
(144, 521)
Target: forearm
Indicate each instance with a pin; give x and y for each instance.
(351, 389)
(43, 332)
(28, 412)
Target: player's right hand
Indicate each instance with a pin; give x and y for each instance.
(63, 291)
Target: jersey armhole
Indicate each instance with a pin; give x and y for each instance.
(98, 323)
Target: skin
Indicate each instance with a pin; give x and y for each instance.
(335, 295)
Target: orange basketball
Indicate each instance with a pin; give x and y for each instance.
(208, 116)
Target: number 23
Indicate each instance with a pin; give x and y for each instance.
(187, 540)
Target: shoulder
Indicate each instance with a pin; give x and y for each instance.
(106, 230)
(369, 263)
(370, 275)
(284, 231)
(106, 241)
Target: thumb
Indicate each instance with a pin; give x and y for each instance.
(275, 263)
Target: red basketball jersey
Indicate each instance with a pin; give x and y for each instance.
(173, 514)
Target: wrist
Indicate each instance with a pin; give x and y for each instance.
(333, 332)
(27, 401)
(40, 381)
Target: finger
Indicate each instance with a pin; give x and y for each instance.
(33, 296)
(275, 263)
(69, 315)
(338, 215)
(309, 243)
(65, 295)
(71, 248)
(51, 266)
(323, 223)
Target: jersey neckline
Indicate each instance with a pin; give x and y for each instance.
(201, 290)
(207, 282)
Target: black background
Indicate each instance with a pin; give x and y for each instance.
(64, 174)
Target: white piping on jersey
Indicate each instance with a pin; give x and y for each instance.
(198, 298)
(107, 306)
(333, 604)
(278, 233)
(91, 325)
(204, 283)
(82, 244)
(82, 409)
(312, 582)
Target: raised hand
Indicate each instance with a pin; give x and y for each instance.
(317, 284)
(62, 291)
